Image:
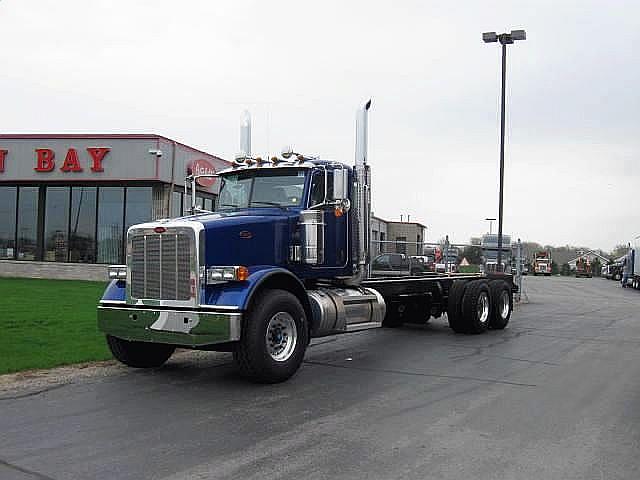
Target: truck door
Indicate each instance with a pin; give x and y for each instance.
(335, 232)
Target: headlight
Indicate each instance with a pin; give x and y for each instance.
(117, 272)
(227, 274)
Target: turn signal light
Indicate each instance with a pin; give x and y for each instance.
(242, 273)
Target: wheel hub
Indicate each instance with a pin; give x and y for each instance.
(281, 336)
(483, 307)
(504, 304)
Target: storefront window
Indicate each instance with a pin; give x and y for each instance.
(176, 205)
(28, 223)
(59, 223)
(56, 224)
(7, 222)
(82, 230)
(139, 206)
(110, 216)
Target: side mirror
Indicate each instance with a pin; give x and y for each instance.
(340, 184)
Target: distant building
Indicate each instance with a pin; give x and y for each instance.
(591, 255)
(408, 237)
(397, 237)
(378, 236)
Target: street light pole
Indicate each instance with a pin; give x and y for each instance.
(490, 220)
(504, 39)
(502, 113)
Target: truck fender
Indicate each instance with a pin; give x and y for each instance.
(116, 291)
(277, 278)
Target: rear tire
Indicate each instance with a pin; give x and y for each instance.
(502, 304)
(139, 354)
(394, 318)
(476, 307)
(274, 338)
(454, 306)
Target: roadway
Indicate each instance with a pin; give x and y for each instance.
(555, 395)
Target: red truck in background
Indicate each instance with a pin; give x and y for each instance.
(583, 267)
(542, 263)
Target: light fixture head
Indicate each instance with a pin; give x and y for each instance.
(489, 37)
(518, 35)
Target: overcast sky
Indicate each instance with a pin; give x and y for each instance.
(186, 70)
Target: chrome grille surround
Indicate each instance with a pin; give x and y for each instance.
(164, 268)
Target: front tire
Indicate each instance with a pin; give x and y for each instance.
(139, 354)
(274, 338)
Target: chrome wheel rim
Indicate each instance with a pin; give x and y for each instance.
(281, 336)
(483, 307)
(504, 304)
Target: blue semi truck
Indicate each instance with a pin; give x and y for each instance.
(283, 259)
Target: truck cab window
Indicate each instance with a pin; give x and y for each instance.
(234, 192)
(281, 188)
(317, 189)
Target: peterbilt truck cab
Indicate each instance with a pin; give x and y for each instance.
(284, 258)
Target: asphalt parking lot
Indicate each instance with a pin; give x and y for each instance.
(556, 395)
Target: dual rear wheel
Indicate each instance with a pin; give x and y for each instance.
(479, 305)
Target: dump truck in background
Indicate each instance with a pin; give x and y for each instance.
(542, 263)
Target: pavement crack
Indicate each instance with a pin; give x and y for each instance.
(34, 393)
(24, 470)
(502, 357)
(418, 374)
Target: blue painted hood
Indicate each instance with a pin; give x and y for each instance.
(257, 236)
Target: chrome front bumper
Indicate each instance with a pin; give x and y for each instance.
(190, 328)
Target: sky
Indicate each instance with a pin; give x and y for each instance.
(187, 70)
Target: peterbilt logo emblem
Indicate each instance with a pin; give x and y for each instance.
(202, 167)
(246, 234)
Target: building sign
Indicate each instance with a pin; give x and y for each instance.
(73, 158)
(45, 160)
(202, 167)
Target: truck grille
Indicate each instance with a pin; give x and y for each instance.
(160, 265)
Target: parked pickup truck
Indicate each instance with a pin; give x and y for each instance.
(285, 258)
(395, 264)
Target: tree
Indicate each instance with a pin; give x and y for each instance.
(596, 267)
(554, 268)
(619, 251)
(565, 270)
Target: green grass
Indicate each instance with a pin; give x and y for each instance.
(468, 268)
(46, 323)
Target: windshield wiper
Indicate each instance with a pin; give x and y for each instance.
(273, 204)
(229, 205)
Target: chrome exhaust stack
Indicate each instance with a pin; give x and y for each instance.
(362, 199)
(245, 135)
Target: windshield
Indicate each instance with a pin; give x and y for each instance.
(267, 188)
